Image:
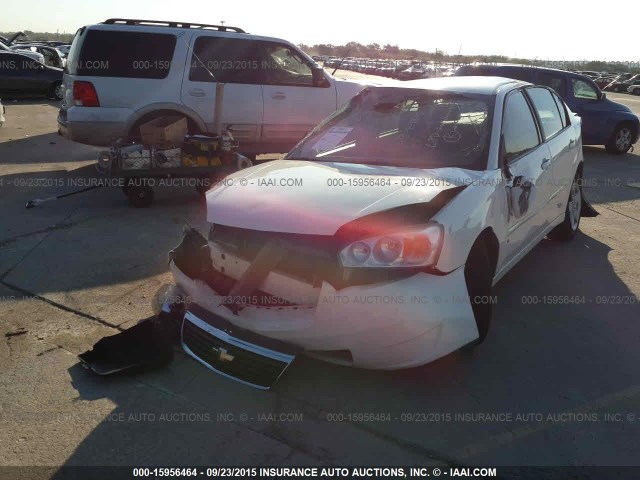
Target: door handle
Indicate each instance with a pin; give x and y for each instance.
(278, 96)
(572, 141)
(197, 92)
(545, 163)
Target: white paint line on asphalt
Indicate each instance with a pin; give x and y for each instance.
(510, 436)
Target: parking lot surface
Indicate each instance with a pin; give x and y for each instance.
(555, 383)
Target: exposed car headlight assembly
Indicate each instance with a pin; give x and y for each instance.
(413, 247)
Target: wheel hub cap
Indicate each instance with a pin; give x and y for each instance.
(623, 139)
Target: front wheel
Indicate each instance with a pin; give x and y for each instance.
(569, 226)
(621, 140)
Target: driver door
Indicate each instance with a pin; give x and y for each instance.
(293, 105)
(588, 104)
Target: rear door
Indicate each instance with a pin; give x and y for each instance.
(28, 75)
(525, 155)
(561, 140)
(293, 106)
(9, 74)
(553, 80)
(234, 62)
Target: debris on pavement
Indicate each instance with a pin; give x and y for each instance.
(145, 346)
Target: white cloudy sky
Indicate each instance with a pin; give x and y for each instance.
(544, 29)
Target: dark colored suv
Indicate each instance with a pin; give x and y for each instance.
(603, 122)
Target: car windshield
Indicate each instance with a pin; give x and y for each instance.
(404, 127)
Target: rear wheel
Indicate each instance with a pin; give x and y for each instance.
(478, 274)
(56, 91)
(621, 140)
(569, 226)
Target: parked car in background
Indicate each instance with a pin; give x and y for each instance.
(38, 57)
(618, 84)
(64, 49)
(603, 122)
(634, 89)
(462, 178)
(415, 72)
(624, 86)
(20, 74)
(603, 81)
(51, 55)
(123, 72)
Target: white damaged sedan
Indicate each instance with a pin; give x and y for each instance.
(377, 241)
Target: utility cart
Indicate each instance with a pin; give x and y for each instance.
(160, 159)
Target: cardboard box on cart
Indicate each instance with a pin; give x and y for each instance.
(164, 132)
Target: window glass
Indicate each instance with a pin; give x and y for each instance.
(17, 62)
(554, 81)
(518, 127)
(404, 127)
(284, 66)
(582, 89)
(109, 53)
(229, 60)
(562, 109)
(515, 73)
(547, 111)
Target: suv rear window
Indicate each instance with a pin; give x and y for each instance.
(109, 53)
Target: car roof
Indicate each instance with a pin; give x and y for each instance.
(512, 66)
(470, 84)
(122, 27)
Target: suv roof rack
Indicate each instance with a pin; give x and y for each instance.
(165, 23)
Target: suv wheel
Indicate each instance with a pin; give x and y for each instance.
(621, 140)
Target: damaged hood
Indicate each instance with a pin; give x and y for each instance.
(313, 198)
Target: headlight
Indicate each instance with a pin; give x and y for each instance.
(413, 247)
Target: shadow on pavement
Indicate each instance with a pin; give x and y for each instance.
(547, 356)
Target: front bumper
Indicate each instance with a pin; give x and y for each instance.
(220, 346)
(390, 325)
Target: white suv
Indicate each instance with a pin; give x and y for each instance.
(122, 73)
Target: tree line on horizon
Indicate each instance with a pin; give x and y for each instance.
(393, 52)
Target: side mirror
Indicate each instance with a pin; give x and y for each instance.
(319, 78)
(603, 96)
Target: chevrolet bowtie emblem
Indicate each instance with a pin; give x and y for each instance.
(223, 356)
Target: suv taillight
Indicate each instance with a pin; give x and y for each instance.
(84, 95)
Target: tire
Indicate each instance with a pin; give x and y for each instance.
(56, 91)
(569, 226)
(621, 140)
(478, 274)
(139, 197)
